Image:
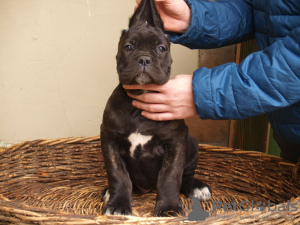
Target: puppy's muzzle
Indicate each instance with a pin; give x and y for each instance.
(144, 78)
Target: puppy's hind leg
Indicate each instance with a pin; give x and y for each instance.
(191, 186)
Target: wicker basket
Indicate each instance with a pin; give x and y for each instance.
(60, 182)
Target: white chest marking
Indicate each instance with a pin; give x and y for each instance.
(137, 139)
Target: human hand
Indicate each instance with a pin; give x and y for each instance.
(174, 99)
(175, 14)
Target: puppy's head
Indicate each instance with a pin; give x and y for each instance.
(144, 49)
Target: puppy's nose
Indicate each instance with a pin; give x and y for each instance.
(144, 60)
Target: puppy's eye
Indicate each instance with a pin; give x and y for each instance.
(162, 49)
(127, 48)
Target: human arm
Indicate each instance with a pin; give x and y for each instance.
(216, 23)
(265, 81)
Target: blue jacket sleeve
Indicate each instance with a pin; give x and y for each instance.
(218, 23)
(265, 81)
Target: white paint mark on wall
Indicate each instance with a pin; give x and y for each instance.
(6, 145)
(89, 5)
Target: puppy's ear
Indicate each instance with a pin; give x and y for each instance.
(124, 32)
(153, 17)
(140, 15)
(147, 12)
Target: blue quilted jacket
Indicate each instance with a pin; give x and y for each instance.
(267, 81)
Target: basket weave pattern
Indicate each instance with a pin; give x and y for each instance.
(60, 182)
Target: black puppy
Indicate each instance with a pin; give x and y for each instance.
(141, 152)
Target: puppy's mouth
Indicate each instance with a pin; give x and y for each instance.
(137, 92)
(143, 79)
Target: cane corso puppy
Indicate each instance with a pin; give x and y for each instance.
(139, 152)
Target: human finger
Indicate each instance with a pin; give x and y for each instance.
(154, 98)
(157, 108)
(158, 116)
(148, 87)
(137, 4)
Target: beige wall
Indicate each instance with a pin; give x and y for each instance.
(57, 65)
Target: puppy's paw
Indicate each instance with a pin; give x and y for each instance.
(120, 206)
(117, 209)
(203, 194)
(199, 189)
(167, 210)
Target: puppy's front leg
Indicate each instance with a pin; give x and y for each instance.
(169, 181)
(119, 194)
